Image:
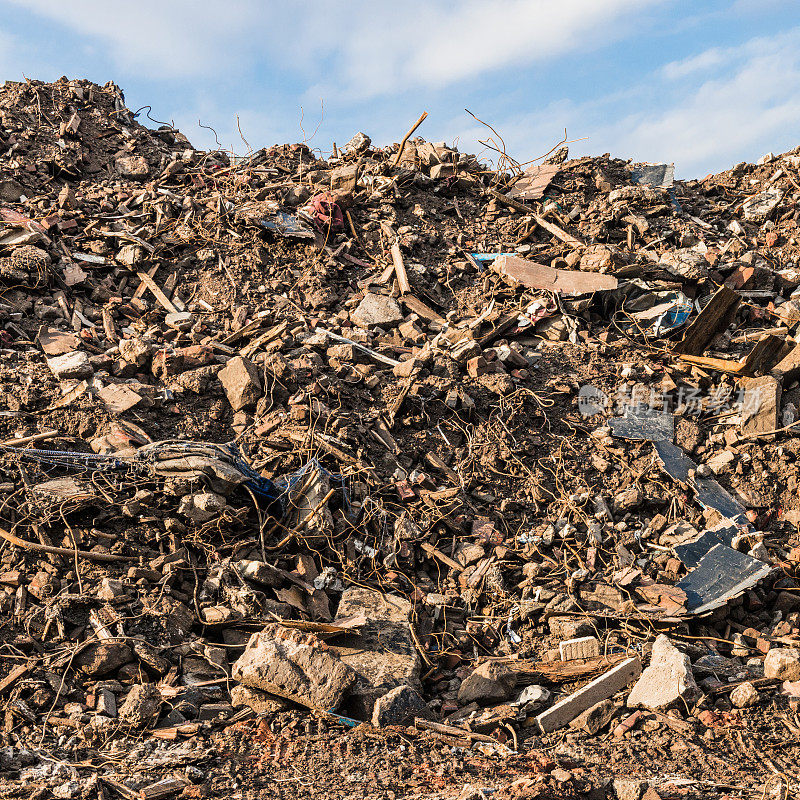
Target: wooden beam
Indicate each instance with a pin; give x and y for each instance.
(715, 317)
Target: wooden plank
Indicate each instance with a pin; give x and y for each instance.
(559, 233)
(515, 204)
(607, 685)
(416, 306)
(400, 269)
(788, 368)
(15, 674)
(108, 325)
(563, 671)
(765, 354)
(562, 281)
(156, 290)
(445, 559)
(142, 287)
(761, 405)
(715, 317)
(720, 364)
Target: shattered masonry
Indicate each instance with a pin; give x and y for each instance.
(391, 473)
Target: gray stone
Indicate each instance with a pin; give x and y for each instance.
(103, 657)
(376, 309)
(595, 718)
(744, 695)
(383, 655)
(141, 705)
(258, 700)
(135, 167)
(760, 206)
(11, 191)
(716, 665)
(399, 707)
(783, 663)
(241, 382)
(71, 365)
(491, 682)
(106, 703)
(150, 657)
(668, 678)
(293, 665)
(629, 788)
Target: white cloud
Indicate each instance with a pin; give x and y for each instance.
(705, 113)
(362, 50)
(751, 108)
(160, 39)
(385, 48)
(702, 62)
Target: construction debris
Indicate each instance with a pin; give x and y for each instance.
(367, 473)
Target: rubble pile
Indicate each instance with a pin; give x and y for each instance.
(391, 472)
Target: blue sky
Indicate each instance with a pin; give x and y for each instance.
(703, 84)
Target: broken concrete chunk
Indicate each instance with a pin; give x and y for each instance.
(293, 665)
(583, 647)
(376, 309)
(141, 705)
(491, 682)
(179, 320)
(760, 206)
(570, 627)
(399, 706)
(761, 405)
(359, 142)
(745, 695)
(783, 663)
(71, 365)
(241, 381)
(135, 351)
(685, 263)
(668, 678)
(629, 788)
(607, 685)
(135, 167)
(720, 462)
(384, 655)
(594, 719)
(258, 700)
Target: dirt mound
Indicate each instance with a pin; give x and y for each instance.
(473, 451)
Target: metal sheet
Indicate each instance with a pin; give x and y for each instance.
(691, 553)
(646, 174)
(709, 493)
(645, 424)
(722, 574)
